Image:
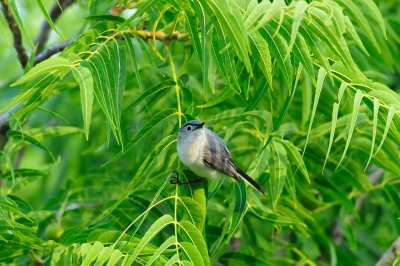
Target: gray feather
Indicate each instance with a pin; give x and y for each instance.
(217, 156)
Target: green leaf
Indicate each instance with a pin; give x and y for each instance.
(317, 24)
(392, 111)
(199, 45)
(295, 156)
(154, 229)
(104, 255)
(278, 171)
(353, 33)
(111, 18)
(150, 125)
(161, 146)
(150, 206)
(166, 244)
(48, 18)
(197, 239)
(241, 259)
(132, 56)
(260, 46)
(173, 260)
(279, 48)
(192, 253)
(231, 21)
(85, 80)
(240, 209)
(155, 90)
(91, 253)
(51, 132)
(18, 20)
(259, 94)
(320, 83)
(356, 107)
(108, 67)
(262, 13)
(22, 136)
(335, 112)
(361, 20)
(299, 11)
(218, 99)
(374, 129)
(373, 10)
(22, 172)
(194, 211)
(51, 66)
(115, 258)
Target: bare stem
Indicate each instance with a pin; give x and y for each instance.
(17, 36)
(390, 255)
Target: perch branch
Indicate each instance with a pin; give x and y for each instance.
(17, 36)
(390, 255)
(55, 12)
(162, 36)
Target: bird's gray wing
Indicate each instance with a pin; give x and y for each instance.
(217, 156)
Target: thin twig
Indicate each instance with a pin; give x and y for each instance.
(55, 12)
(390, 255)
(51, 51)
(17, 36)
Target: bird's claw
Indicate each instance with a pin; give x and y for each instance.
(174, 178)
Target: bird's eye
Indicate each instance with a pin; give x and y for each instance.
(189, 128)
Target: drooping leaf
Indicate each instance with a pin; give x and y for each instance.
(195, 236)
(392, 111)
(295, 155)
(374, 129)
(85, 80)
(278, 171)
(18, 135)
(356, 107)
(320, 82)
(154, 229)
(166, 244)
(48, 18)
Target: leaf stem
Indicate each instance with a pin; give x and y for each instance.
(177, 88)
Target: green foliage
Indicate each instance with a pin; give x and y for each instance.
(305, 93)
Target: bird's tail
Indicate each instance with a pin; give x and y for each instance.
(249, 180)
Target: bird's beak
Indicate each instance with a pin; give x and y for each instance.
(200, 126)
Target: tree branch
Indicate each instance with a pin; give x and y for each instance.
(17, 36)
(390, 255)
(50, 51)
(55, 12)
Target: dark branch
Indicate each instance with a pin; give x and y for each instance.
(50, 51)
(55, 12)
(390, 255)
(17, 36)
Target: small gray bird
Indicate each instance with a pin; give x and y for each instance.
(206, 154)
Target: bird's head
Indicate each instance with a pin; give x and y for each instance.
(190, 130)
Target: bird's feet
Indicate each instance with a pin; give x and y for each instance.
(175, 179)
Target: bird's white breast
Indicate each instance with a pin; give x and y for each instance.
(190, 150)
